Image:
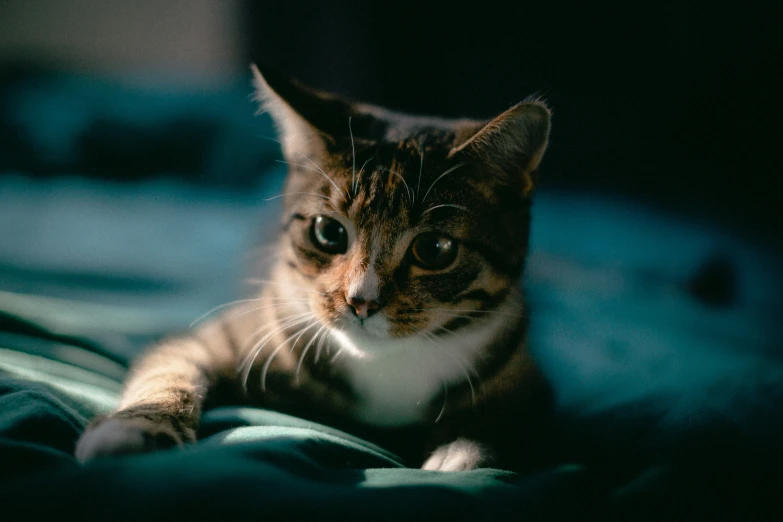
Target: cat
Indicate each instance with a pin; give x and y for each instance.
(394, 311)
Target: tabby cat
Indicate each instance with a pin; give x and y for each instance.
(394, 311)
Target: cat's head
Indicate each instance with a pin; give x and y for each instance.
(397, 224)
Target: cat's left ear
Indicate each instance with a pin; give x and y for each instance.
(281, 98)
(515, 141)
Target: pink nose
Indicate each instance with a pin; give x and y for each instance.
(363, 309)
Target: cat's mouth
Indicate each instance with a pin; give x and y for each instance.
(376, 326)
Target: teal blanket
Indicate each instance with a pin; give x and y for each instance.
(248, 463)
(255, 463)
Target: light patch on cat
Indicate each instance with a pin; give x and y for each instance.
(460, 455)
(398, 378)
(364, 285)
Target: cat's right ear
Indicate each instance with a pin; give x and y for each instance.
(515, 141)
(277, 96)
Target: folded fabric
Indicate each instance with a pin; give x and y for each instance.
(266, 464)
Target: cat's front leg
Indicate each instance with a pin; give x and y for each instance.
(460, 455)
(128, 432)
(161, 404)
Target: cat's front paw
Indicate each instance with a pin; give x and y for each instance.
(116, 435)
(460, 455)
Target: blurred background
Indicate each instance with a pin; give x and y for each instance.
(133, 169)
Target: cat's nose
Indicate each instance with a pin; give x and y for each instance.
(362, 308)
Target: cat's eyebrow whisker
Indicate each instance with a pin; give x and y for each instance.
(361, 170)
(292, 193)
(347, 196)
(268, 362)
(421, 168)
(449, 171)
(460, 207)
(407, 188)
(353, 154)
(316, 169)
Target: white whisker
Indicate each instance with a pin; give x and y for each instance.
(271, 357)
(466, 371)
(315, 320)
(449, 171)
(341, 350)
(361, 170)
(421, 167)
(255, 281)
(273, 305)
(268, 138)
(407, 188)
(304, 352)
(467, 376)
(320, 346)
(247, 363)
(276, 326)
(336, 355)
(316, 169)
(442, 377)
(220, 307)
(460, 207)
(445, 396)
(353, 154)
(465, 367)
(292, 193)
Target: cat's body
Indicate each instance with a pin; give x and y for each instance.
(393, 310)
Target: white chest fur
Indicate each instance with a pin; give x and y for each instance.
(396, 379)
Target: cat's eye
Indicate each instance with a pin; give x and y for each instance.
(433, 251)
(329, 235)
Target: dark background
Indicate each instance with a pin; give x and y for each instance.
(676, 103)
(673, 103)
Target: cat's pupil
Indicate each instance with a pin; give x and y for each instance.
(433, 252)
(329, 235)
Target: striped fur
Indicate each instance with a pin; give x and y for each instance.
(439, 372)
